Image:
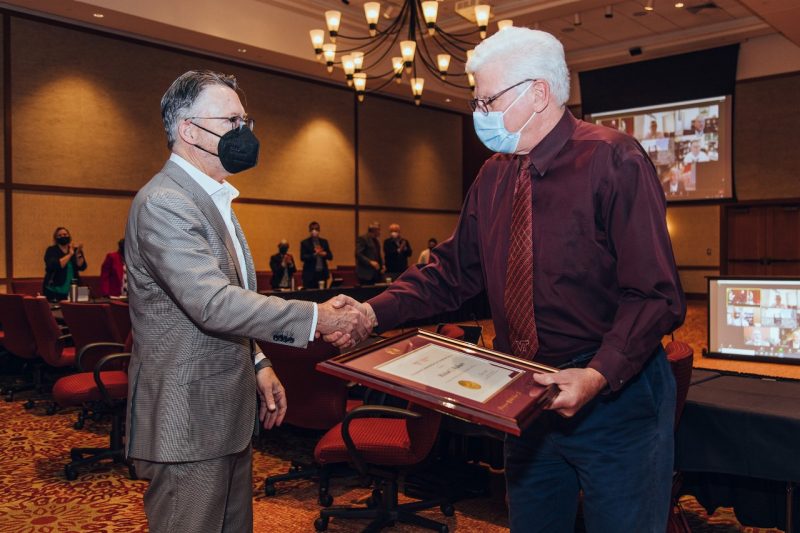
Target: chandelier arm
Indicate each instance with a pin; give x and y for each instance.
(376, 44)
(376, 89)
(445, 82)
(473, 32)
(457, 53)
(450, 41)
(454, 38)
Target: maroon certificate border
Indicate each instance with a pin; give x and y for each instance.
(359, 366)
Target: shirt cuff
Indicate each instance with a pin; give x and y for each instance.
(258, 357)
(313, 325)
(614, 366)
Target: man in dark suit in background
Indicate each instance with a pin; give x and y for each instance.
(282, 267)
(315, 254)
(397, 250)
(369, 264)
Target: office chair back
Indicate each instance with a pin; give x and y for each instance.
(89, 324)
(50, 340)
(19, 338)
(120, 313)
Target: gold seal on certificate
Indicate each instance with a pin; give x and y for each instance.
(454, 377)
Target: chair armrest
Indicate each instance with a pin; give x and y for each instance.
(91, 347)
(369, 411)
(66, 337)
(98, 368)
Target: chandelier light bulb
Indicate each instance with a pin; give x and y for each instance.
(503, 24)
(416, 89)
(443, 61)
(358, 61)
(650, 5)
(407, 50)
(349, 68)
(576, 20)
(482, 18)
(333, 18)
(397, 67)
(372, 11)
(360, 83)
(679, 4)
(317, 40)
(471, 79)
(329, 51)
(609, 12)
(430, 10)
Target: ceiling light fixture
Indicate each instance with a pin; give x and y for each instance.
(679, 4)
(609, 12)
(423, 46)
(650, 5)
(98, 15)
(576, 20)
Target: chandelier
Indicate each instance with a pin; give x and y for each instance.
(419, 53)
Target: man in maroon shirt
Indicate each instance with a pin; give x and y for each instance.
(604, 291)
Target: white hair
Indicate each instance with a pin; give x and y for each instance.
(525, 53)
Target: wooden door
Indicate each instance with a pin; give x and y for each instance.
(762, 240)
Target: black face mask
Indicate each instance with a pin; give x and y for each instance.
(238, 149)
(283, 249)
(63, 241)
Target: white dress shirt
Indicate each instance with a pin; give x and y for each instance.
(223, 194)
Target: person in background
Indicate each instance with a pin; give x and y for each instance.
(282, 266)
(315, 252)
(113, 279)
(369, 263)
(654, 133)
(425, 256)
(695, 154)
(396, 250)
(62, 263)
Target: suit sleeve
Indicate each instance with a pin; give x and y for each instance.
(306, 251)
(327, 248)
(361, 258)
(172, 242)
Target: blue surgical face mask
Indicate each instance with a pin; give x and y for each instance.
(491, 129)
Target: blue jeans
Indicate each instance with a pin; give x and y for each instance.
(618, 450)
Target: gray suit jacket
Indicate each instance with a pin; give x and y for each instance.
(192, 391)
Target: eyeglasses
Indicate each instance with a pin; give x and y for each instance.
(482, 105)
(235, 121)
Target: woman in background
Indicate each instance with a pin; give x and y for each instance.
(62, 263)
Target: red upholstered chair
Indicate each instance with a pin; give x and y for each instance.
(680, 357)
(121, 315)
(316, 401)
(383, 443)
(347, 275)
(90, 324)
(105, 391)
(20, 342)
(26, 286)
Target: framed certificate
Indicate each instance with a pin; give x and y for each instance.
(451, 376)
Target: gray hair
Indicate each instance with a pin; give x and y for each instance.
(182, 94)
(525, 53)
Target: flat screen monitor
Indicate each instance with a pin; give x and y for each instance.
(688, 142)
(754, 319)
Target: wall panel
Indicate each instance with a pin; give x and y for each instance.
(265, 225)
(409, 157)
(96, 221)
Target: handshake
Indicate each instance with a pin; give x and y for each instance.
(344, 322)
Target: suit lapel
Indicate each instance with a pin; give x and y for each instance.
(248, 257)
(207, 207)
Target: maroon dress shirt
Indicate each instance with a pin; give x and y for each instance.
(604, 273)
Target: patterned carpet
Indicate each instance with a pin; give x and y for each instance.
(36, 497)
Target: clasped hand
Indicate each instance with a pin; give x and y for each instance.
(344, 322)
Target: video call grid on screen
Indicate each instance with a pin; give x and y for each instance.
(688, 142)
(756, 319)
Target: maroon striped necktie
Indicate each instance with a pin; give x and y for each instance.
(518, 296)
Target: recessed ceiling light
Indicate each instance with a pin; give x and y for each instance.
(241, 50)
(98, 15)
(649, 6)
(679, 4)
(447, 100)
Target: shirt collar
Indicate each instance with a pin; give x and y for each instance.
(543, 155)
(209, 184)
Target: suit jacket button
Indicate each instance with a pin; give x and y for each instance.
(275, 338)
(291, 339)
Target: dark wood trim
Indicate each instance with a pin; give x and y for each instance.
(421, 210)
(696, 296)
(356, 174)
(770, 77)
(7, 167)
(698, 267)
(63, 189)
(768, 202)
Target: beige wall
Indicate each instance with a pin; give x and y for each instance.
(694, 231)
(86, 116)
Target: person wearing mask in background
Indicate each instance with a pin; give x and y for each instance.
(62, 263)
(565, 229)
(315, 254)
(369, 263)
(425, 255)
(396, 250)
(282, 266)
(113, 280)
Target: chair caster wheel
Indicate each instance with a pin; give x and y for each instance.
(79, 423)
(70, 473)
(321, 524)
(325, 500)
(447, 509)
(374, 500)
(269, 489)
(30, 404)
(51, 410)
(444, 529)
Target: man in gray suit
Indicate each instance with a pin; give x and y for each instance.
(195, 372)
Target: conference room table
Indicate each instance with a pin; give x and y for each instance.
(738, 444)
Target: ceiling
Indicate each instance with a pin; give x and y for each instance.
(274, 33)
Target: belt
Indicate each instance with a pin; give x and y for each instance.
(580, 361)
